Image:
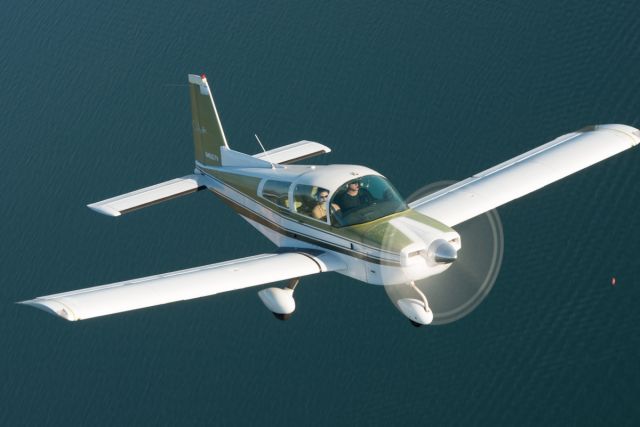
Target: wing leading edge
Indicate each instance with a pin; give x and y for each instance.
(185, 284)
(526, 173)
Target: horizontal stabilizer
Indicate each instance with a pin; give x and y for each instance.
(292, 153)
(526, 173)
(144, 197)
(186, 284)
(236, 159)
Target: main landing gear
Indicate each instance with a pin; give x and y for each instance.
(280, 300)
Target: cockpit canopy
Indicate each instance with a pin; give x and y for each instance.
(364, 199)
(324, 198)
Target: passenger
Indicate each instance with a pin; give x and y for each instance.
(320, 210)
(354, 197)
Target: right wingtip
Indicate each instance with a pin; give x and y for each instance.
(630, 131)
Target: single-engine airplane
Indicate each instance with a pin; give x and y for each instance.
(343, 218)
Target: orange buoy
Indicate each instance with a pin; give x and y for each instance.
(613, 281)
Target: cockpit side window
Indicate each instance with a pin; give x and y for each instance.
(311, 201)
(277, 192)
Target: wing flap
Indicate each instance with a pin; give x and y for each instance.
(526, 173)
(292, 153)
(147, 196)
(185, 284)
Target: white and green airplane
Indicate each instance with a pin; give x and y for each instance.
(343, 218)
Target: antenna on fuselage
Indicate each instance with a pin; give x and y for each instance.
(263, 150)
(259, 142)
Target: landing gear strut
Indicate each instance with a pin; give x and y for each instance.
(293, 283)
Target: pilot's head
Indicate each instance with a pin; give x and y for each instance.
(353, 186)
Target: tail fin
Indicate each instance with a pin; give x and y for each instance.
(208, 136)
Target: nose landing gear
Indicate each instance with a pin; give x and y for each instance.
(417, 310)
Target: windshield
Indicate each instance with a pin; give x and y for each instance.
(365, 199)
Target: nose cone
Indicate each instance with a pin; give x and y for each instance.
(443, 252)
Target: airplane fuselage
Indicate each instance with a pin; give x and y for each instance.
(393, 249)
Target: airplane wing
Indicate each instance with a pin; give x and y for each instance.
(526, 173)
(185, 284)
(147, 196)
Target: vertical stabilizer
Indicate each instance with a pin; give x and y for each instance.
(208, 136)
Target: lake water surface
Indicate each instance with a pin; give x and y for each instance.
(95, 104)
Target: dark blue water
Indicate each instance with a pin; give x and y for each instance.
(94, 104)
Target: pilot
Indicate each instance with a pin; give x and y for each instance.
(354, 197)
(320, 209)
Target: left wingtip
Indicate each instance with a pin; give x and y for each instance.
(51, 307)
